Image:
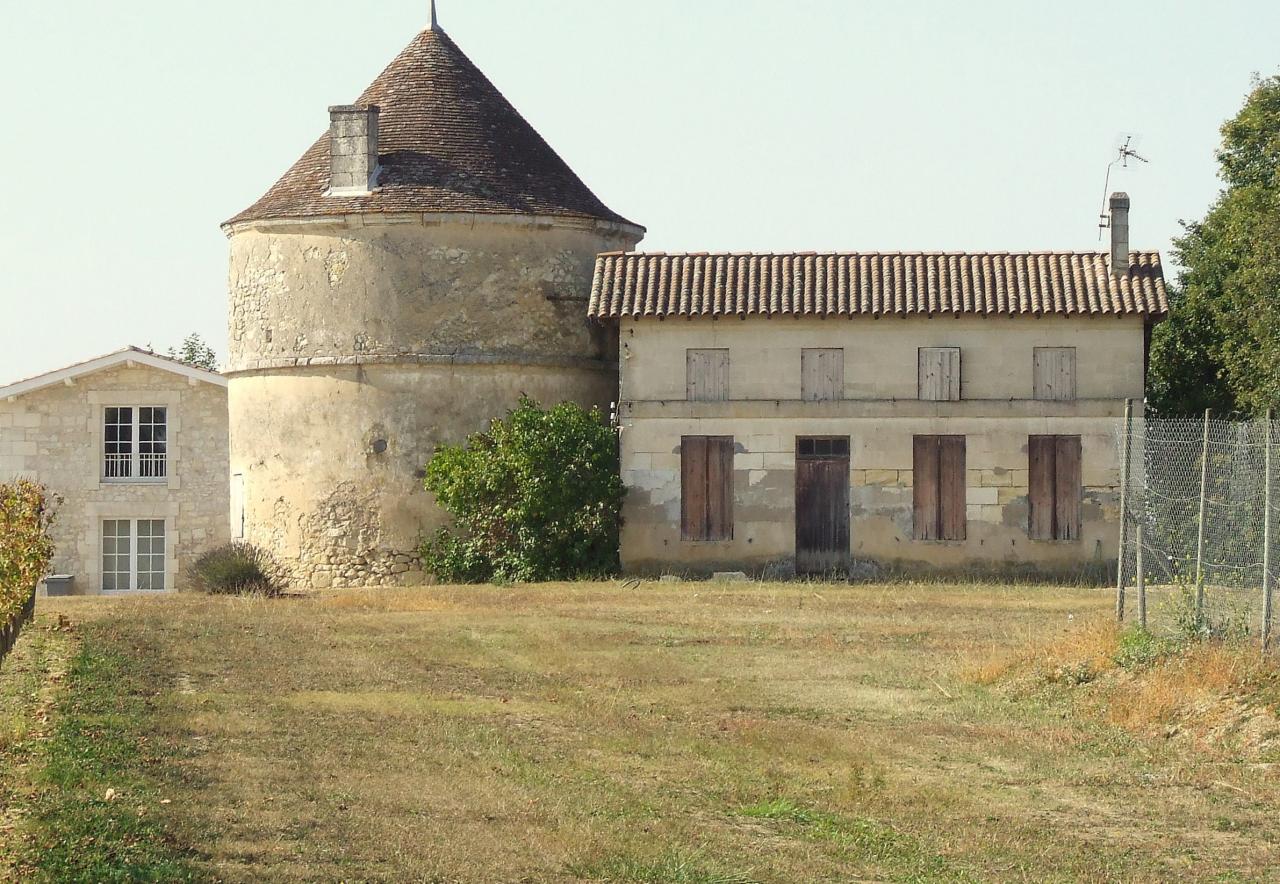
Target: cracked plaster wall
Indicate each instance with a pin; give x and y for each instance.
(356, 350)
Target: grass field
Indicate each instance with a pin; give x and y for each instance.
(660, 732)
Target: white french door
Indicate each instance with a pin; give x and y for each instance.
(133, 554)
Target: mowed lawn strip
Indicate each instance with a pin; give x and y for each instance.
(665, 732)
(93, 761)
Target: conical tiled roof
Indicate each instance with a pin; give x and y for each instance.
(448, 141)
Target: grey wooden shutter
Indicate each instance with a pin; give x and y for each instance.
(1053, 373)
(940, 374)
(821, 374)
(707, 375)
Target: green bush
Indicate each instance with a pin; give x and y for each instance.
(1138, 648)
(536, 497)
(27, 513)
(237, 569)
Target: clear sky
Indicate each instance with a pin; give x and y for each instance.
(131, 129)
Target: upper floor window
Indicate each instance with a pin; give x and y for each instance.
(940, 374)
(1053, 371)
(707, 375)
(135, 443)
(821, 375)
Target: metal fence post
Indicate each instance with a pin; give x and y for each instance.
(1127, 432)
(1204, 492)
(1141, 575)
(1266, 534)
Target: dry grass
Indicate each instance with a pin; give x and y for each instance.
(686, 732)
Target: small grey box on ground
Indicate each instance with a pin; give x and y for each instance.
(59, 584)
(729, 576)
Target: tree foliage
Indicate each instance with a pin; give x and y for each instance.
(1220, 347)
(27, 512)
(196, 352)
(536, 497)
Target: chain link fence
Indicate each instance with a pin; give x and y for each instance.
(1198, 502)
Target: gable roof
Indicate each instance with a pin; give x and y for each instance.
(111, 360)
(875, 284)
(448, 141)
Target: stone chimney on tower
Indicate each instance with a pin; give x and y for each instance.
(1119, 234)
(353, 150)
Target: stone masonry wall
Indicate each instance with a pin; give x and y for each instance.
(53, 436)
(879, 412)
(360, 344)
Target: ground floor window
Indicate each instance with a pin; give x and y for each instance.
(706, 488)
(1053, 464)
(939, 487)
(133, 554)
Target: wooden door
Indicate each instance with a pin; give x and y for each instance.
(822, 506)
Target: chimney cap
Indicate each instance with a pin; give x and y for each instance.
(352, 108)
(1119, 200)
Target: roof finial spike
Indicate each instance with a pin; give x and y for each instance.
(435, 24)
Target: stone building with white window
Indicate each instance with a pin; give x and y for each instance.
(908, 412)
(136, 445)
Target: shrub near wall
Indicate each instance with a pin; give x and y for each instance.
(537, 497)
(26, 549)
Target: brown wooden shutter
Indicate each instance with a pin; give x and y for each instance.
(951, 488)
(1041, 477)
(707, 375)
(925, 482)
(1067, 488)
(719, 488)
(1053, 371)
(821, 375)
(706, 488)
(693, 486)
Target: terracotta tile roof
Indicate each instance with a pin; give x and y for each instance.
(448, 142)
(875, 284)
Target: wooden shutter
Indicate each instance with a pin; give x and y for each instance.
(940, 374)
(926, 482)
(693, 486)
(1053, 371)
(719, 488)
(1041, 469)
(821, 375)
(1067, 488)
(707, 375)
(951, 488)
(706, 487)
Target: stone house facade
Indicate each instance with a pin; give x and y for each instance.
(136, 445)
(877, 412)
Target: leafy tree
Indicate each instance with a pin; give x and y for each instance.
(26, 549)
(195, 352)
(536, 497)
(1220, 347)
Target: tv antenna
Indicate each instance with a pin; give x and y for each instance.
(1124, 153)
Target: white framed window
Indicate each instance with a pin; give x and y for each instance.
(135, 443)
(133, 554)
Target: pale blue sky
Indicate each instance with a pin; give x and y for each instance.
(131, 129)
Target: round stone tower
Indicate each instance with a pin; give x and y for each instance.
(424, 263)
